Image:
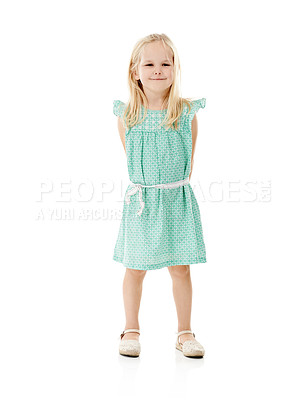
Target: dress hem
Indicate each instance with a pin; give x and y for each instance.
(162, 265)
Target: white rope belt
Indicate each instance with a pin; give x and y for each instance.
(138, 187)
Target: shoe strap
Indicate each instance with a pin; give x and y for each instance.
(129, 330)
(187, 331)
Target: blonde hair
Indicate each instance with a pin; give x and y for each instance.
(172, 101)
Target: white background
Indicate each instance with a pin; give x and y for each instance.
(62, 65)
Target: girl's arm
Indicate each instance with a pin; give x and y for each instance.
(121, 129)
(194, 134)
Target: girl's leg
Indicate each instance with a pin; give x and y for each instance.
(182, 293)
(132, 290)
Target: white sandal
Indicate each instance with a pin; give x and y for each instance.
(190, 348)
(129, 347)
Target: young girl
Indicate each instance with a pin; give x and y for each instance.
(161, 224)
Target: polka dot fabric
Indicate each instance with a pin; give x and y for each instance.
(169, 230)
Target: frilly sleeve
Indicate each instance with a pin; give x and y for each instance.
(118, 108)
(196, 104)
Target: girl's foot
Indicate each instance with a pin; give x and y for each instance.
(186, 336)
(187, 343)
(129, 343)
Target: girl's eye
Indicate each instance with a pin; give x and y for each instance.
(152, 64)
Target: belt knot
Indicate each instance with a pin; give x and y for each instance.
(137, 187)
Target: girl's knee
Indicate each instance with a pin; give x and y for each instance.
(179, 270)
(137, 273)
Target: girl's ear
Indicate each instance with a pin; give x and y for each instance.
(135, 73)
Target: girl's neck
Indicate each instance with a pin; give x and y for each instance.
(155, 102)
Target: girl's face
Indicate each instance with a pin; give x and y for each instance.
(155, 69)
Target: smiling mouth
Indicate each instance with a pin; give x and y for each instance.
(158, 79)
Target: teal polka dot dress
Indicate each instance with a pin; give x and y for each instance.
(169, 230)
